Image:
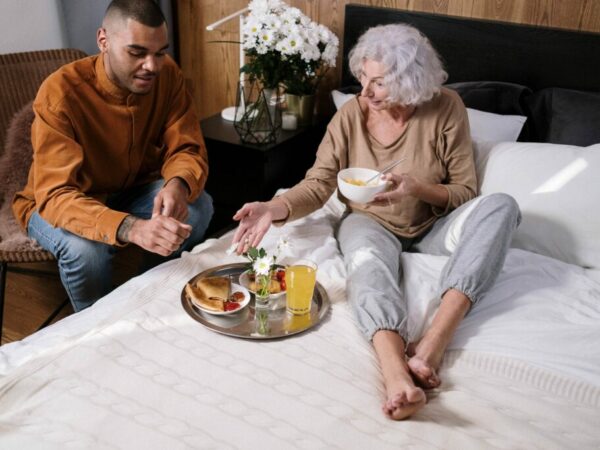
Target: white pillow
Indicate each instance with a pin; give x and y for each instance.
(487, 126)
(339, 98)
(558, 190)
(481, 153)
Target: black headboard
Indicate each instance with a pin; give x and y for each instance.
(478, 50)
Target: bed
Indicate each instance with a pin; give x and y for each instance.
(523, 370)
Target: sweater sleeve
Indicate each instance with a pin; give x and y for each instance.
(321, 179)
(185, 154)
(57, 185)
(455, 148)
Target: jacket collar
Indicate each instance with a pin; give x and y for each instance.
(106, 84)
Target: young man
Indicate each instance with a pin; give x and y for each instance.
(118, 155)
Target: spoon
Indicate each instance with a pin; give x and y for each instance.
(384, 170)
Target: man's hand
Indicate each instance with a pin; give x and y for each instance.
(171, 200)
(160, 234)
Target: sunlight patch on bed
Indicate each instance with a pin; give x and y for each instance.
(362, 256)
(560, 179)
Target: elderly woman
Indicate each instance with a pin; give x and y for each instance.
(402, 112)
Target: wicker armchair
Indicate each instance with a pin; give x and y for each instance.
(20, 77)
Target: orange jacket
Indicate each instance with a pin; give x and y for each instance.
(92, 138)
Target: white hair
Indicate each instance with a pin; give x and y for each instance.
(414, 72)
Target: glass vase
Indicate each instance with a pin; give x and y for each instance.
(258, 113)
(262, 295)
(263, 326)
(302, 106)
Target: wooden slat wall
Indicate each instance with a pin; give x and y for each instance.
(212, 68)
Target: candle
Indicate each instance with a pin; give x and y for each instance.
(289, 121)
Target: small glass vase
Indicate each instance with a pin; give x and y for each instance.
(262, 295)
(263, 326)
(258, 113)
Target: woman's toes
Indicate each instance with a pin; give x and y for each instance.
(424, 374)
(397, 400)
(404, 404)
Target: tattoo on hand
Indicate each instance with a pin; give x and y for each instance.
(125, 228)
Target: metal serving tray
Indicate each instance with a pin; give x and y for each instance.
(257, 323)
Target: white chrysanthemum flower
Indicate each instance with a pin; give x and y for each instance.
(304, 20)
(324, 34)
(251, 26)
(294, 43)
(329, 56)
(288, 29)
(260, 7)
(283, 246)
(266, 37)
(291, 14)
(310, 53)
(311, 34)
(284, 47)
(262, 49)
(273, 22)
(262, 266)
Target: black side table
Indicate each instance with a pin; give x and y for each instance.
(240, 173)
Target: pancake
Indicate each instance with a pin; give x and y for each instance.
(215, 287)
(210, 293)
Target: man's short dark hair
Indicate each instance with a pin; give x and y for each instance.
(146, 12)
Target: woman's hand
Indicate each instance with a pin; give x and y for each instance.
(405, 184)
(401, 186)
(255, 220)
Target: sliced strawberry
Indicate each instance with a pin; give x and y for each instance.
(231, 306)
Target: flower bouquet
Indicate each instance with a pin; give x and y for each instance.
(285, 47)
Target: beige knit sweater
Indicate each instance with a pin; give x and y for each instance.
(437, 147)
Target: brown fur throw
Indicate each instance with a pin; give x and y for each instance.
(14, 169)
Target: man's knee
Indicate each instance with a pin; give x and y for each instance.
(88, 252)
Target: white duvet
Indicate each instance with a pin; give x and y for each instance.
(135, 371)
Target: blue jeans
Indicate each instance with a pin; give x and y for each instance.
(85, 266)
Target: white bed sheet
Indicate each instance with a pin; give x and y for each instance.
(135, 371)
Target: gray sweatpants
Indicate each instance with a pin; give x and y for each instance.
(476, 236)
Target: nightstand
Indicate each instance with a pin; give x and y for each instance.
(241, 173)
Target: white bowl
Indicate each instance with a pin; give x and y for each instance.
(359, 194)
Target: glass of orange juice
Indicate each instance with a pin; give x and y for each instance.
(300, 279)
(298, 323)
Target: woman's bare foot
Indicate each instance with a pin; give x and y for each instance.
(426, 355)
(404, 399)
(424, 373)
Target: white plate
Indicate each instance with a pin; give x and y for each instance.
(245, 282)
(234, 288)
